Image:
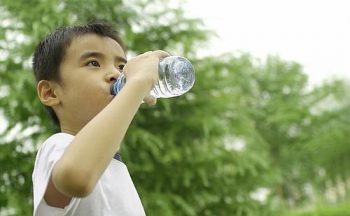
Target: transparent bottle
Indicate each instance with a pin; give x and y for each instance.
(176, 77)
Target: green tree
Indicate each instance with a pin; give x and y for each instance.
(23, 24)
(245, 125)
(174, 151)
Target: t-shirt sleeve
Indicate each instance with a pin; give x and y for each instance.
(49, 153)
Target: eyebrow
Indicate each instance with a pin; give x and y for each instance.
(95, 54)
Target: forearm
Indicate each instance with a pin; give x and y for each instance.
(94, 145)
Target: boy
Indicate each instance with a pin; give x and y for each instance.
(75, 172)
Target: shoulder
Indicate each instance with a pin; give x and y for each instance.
(51, 149)
(58, 137)
(58, 140)
(48, 153)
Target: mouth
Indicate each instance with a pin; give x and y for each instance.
(111, 95)
(111, 90)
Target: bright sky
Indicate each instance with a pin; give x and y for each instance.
(314, 33)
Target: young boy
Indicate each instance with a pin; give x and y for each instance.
(77, 172)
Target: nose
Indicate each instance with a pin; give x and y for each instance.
(113, 75)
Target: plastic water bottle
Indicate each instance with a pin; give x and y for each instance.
(176, 77)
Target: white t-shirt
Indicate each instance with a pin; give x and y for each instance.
(113, 195)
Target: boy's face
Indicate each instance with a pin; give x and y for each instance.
(90, 66)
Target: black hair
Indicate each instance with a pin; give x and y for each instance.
(50, 51)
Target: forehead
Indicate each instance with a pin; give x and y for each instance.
(93, 42)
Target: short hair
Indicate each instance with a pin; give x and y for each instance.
(50, 52)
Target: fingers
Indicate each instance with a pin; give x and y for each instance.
(159, 53)
(151, 101)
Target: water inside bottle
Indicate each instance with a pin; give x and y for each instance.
(176, 77)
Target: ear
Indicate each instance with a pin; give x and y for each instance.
(47, 93)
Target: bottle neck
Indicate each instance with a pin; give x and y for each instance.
(118, 85)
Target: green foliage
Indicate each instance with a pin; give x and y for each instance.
(335, 210)
(246, 126)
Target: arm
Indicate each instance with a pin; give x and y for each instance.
(89, 154)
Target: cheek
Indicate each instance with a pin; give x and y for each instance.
(81, 88)
(88, 92)
(89, 98)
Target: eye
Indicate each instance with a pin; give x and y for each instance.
(93, 63)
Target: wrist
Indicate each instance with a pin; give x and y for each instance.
(139, 86)
(142, 83)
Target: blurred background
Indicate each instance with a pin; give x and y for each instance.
(263, 131)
